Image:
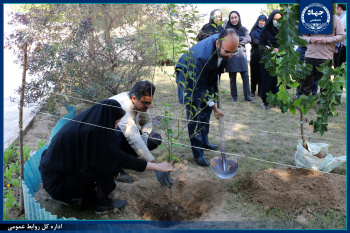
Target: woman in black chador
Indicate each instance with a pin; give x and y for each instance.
(255, 55)
(83, 158)
(208, 29)
(238, 62)
(269, 41)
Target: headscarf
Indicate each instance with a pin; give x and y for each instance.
(208, 29)
(257, 30)
(211, 20)
(86, 144)
(270, 32)
(239, 28)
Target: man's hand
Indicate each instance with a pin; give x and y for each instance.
(217, 112)
(322, 40)
(164, 179)
(313, 40)
(117, 176)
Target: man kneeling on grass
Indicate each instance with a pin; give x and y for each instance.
(139, 143)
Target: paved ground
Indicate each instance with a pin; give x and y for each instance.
(12, 79)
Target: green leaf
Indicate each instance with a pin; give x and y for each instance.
(292, 109)
(173, 157)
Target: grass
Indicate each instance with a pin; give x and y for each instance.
(252, 132)
(261, 140)
(11, 176)
(328, 220)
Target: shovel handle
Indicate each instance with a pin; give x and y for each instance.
(222, 137)
(221, 127)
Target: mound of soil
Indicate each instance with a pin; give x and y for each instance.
(294, 189)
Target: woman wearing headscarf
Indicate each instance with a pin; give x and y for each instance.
(83, 158)
(208, 29)
(238, 62)
(269, 41)
(255, 55)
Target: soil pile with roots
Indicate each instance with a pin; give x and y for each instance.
(295, 189)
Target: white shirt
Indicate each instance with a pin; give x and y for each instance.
(210, 103)
(128, 125)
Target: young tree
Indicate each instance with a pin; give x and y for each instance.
(290, 71)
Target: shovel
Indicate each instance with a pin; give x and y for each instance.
(223, 167)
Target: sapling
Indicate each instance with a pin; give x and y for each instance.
(290, 71)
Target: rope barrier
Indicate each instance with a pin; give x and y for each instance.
(179, 143)
(186, 120)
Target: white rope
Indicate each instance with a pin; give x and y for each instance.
(215, 124)
(163, 140)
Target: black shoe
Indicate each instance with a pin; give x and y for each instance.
(116, 204)
(234, 99)
(252, 94)
(67, 202)
(211, 146)
(124, 178)
(202, 161)
(249, 99)
(266, 107)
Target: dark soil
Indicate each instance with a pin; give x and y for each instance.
(294, 189)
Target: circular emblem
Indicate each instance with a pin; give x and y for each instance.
(315, 17)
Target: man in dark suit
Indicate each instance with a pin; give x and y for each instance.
(196, 77)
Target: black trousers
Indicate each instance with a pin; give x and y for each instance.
(340, 57)
(64, 187)
(233, 84)
(268, 83)
(198, 128)
(255, 72)
(314, 76)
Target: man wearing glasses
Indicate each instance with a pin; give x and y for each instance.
(209, 57)
(137, 142)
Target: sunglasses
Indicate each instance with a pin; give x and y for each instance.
(217, 17)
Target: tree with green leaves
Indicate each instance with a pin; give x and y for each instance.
(89, 51)
(290, 71)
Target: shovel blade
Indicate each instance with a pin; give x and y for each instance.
(224, 173)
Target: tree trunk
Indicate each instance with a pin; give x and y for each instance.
(21, 128)
(302, 129)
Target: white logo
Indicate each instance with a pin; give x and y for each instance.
(315, 17)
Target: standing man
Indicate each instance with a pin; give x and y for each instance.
(209, 57)
(320, 48)
(340, 48)
(137, 142)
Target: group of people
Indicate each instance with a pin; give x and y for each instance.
(90, 153)
(222, 49)
(264, 33)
